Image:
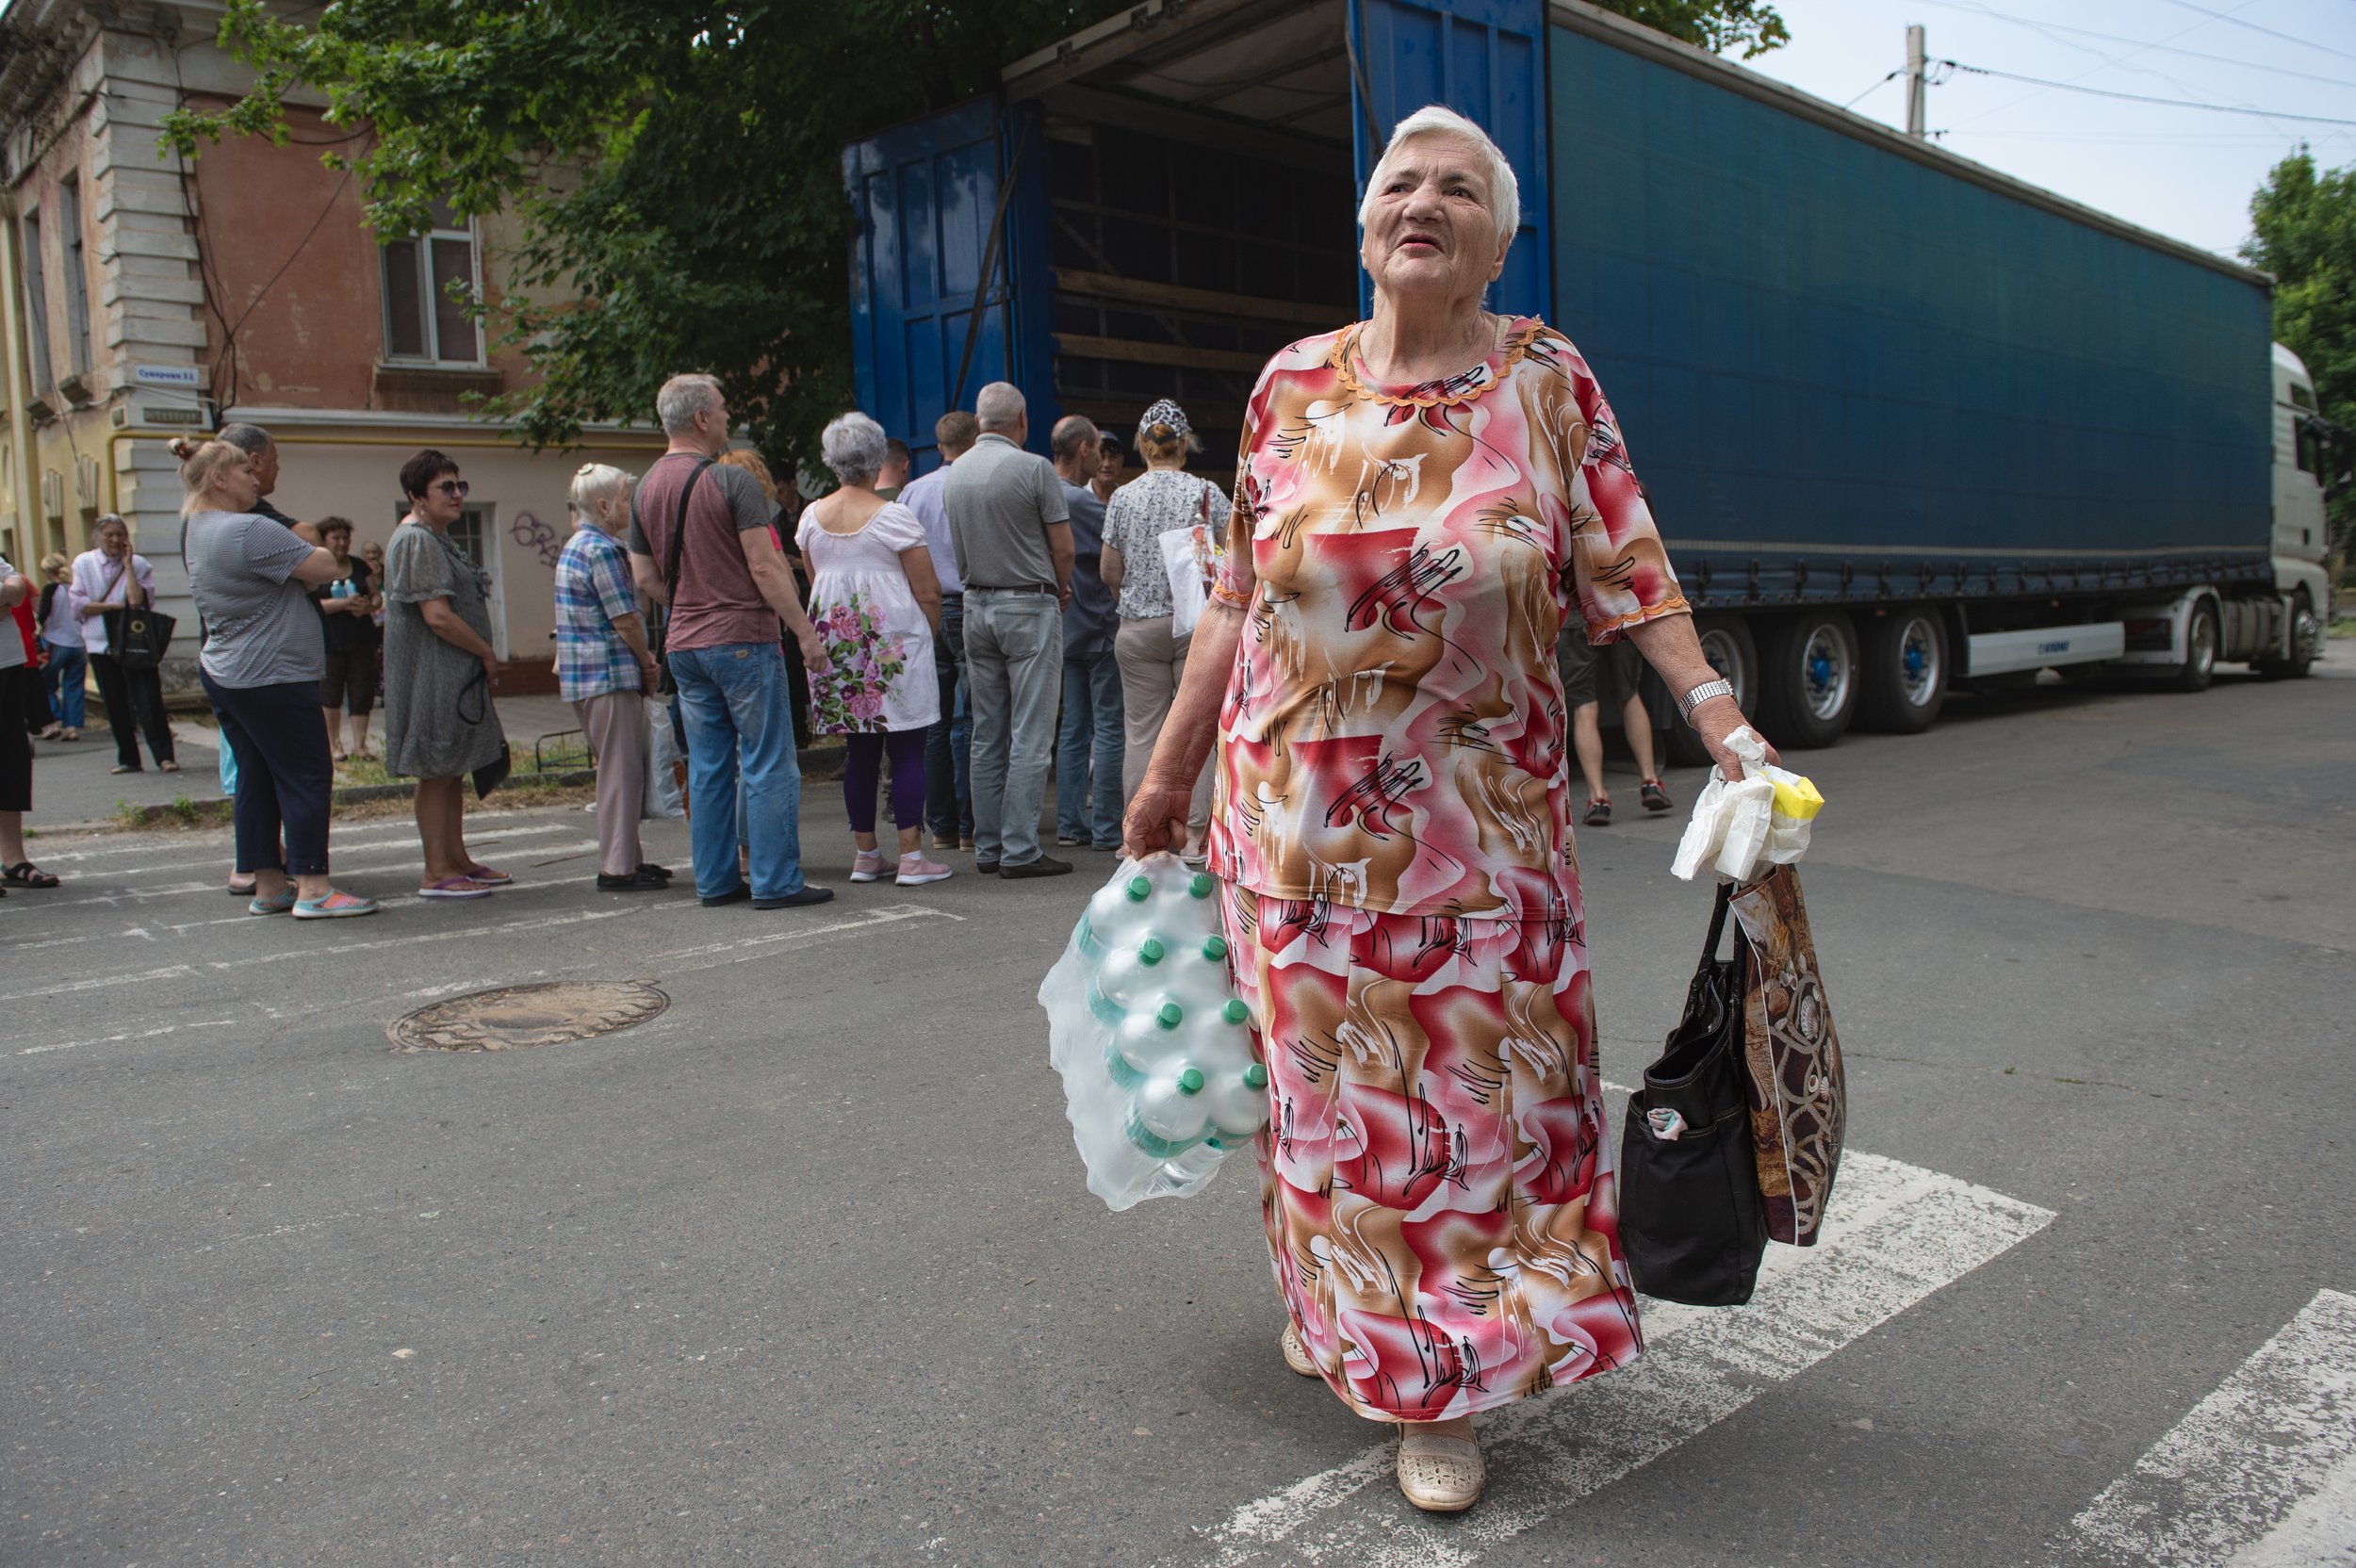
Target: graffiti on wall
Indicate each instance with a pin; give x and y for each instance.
(533, 534)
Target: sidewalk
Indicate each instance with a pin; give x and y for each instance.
(73, 786)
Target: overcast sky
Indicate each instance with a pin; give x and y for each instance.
(2186, 172)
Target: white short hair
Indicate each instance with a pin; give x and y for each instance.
(594, 481)
(1505, 191)
(683, 398)
(999, 406)
(853, 446)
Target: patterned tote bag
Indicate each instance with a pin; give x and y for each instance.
(1798, 1091)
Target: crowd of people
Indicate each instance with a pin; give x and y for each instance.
(1000, 620)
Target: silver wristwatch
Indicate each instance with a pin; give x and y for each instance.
(1702, 694)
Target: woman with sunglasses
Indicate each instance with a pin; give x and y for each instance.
(439, 724)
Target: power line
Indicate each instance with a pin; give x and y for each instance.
(2049, 28)
(2145, 98)
(1875, 87)
(2287, 38)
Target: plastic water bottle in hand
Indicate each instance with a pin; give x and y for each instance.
(1160, 1074)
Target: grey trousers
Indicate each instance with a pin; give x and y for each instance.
(615, 724)
(1151, 663)
(1014, 678)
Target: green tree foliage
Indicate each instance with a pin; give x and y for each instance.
(2304, 231)
(676, 167)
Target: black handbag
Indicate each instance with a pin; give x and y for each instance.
(658, 633)
(138, 635)
(492, 774)
(1691, 1223)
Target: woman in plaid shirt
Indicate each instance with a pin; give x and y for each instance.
(604, 668)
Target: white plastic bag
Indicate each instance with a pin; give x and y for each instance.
(1154, 1050)
(1742, 826)
(1181, 561)
(663, 796)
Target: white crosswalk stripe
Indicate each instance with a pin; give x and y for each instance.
(2262, 1474)
(1894, 1234)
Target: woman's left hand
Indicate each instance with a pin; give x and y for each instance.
(1718, 718)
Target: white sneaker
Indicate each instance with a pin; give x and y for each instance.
(915, 871)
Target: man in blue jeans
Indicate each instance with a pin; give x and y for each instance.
(733, 587)
(948, 776)
(1088, 752)
(1007, 519)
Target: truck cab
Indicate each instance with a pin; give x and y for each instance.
(2306, 456)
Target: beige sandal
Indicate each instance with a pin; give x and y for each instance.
(1297, 1355)
(1438, 1474)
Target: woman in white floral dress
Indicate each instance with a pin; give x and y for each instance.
(877, 606)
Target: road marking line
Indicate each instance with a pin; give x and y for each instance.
(403, 833)
(1894, 1234)
(137, 895)
(66, 988)
(345, 851)
(2261, 1474)
(130, 1034)
(887, 915)
(453, 934)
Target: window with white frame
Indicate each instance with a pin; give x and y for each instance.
(36, 305)
(429, 281)
(76, 278)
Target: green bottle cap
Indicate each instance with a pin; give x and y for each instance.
(1169, 1016)
(1200, 885)
(1139, 889)
(1255, 1077)
(1215, 948)
(1235, 1012)
(1190, 1081)
(1150, 950)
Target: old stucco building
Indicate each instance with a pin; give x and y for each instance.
(145, 297)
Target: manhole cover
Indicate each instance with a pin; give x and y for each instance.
(516, 1018)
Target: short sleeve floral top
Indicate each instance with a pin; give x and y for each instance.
(1393, 736)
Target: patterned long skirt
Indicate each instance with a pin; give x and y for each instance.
(1434, 1176)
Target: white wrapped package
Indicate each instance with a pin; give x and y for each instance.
(1742, 826)
(1153, 1047)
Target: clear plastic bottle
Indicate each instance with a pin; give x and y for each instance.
(1195, 973)
(1116, 916)
(1167, 1115)
(1127, 976)
(1146, 1039)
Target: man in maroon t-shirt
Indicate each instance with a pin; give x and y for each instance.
(733, 589)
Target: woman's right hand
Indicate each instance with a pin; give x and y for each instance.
(1157, 820)
(490, 660)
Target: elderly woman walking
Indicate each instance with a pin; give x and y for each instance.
(604, 667)
(1149, 648)
(439, 724)
(877, 604)
(263, 659)
(1422, 499)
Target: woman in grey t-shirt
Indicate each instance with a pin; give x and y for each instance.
(250, 577)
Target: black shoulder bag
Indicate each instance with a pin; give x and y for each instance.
(659, 635)
(1692, 1222)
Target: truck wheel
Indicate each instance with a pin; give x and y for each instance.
(1807, 686)
(2306, 642)
(1726, 644)
(2200, 665)
(1906, 672)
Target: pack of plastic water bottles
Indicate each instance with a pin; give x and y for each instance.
(1159, 1073)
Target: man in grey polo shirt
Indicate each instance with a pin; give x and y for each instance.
(1007, 520)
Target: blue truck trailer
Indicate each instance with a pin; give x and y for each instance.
(1909, 425)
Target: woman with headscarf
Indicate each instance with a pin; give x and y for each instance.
(1422, 498)
(1149, 648)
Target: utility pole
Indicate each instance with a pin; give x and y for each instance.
(1914, 81)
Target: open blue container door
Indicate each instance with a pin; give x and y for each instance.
(927, 195)
(1486, 60)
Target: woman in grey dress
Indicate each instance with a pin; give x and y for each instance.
(439, 723)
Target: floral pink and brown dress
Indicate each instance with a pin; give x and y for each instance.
(1393, 826)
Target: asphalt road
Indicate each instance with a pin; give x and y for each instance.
(804, 1270)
